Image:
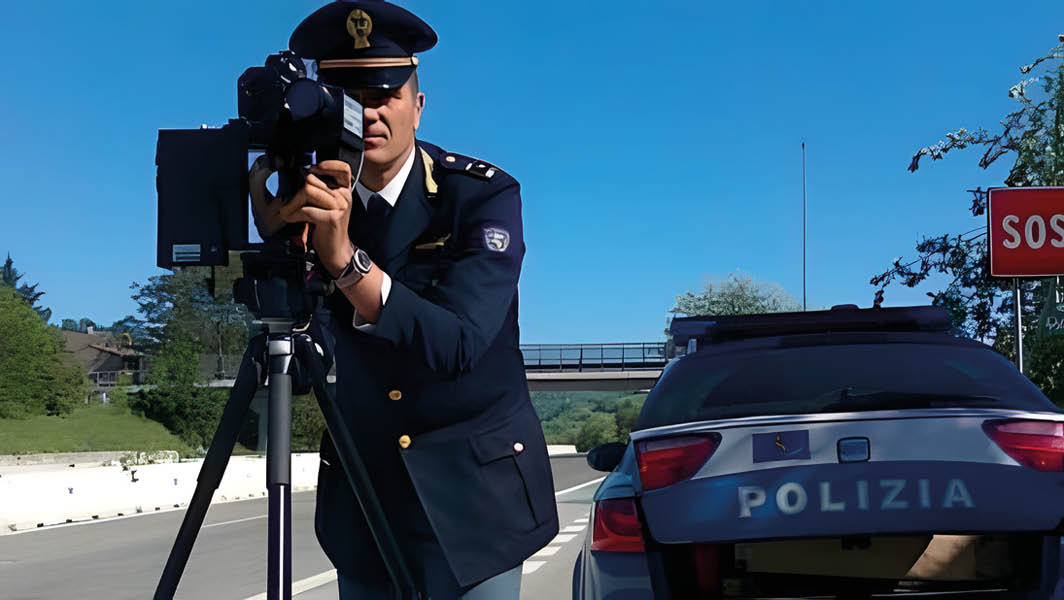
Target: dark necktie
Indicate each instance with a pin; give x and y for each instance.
(377, 208)
(372, 227)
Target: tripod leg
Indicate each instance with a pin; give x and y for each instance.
(210, 475)
(402, 583)
(279, 470)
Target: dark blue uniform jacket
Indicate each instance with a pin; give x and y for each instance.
(442, 368)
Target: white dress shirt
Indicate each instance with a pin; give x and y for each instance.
(390, 192)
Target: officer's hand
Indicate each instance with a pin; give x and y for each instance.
(328, 210)
(264, 207)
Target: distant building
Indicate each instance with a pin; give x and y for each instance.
(104, 357)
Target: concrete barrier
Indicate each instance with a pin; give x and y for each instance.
(35, 497)
(42, 493)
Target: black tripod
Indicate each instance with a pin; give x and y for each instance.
(278, 348)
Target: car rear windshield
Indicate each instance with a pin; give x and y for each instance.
(722, 383)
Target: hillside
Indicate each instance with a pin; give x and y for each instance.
(97, 427)
(586, 419)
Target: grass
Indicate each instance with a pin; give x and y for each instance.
(90, 428)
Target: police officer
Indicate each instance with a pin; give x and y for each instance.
(425, 251)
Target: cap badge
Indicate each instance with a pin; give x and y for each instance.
(359, 25)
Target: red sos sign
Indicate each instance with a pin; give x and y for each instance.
(1026, 227)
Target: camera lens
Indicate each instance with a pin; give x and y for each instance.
(305, 99)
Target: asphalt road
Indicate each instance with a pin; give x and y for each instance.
(123, 558)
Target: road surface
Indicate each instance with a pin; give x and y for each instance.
(122, 558)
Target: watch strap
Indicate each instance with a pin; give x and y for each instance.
(357, 268)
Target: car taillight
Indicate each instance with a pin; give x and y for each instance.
(665, 461)
(617, 527)
(1035, 444)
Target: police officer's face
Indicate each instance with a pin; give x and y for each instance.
(390, 119)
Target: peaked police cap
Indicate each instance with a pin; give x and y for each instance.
(363, 43)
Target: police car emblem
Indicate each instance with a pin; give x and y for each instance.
(496, 239)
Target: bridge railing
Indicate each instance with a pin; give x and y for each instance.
(537, 357)
(594, 357)
(106, 380)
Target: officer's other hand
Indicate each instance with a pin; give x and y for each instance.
(328, 210)
(264, 207)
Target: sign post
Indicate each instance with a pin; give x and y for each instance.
(1025, 228)
(1019, 323)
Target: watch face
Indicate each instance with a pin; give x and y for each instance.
(362, 261)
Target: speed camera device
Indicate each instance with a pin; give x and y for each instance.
(202, 177)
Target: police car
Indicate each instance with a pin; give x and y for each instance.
(849, 453)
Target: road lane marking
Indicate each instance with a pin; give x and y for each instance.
(303, 585)
(574, 528)
(563, 537)
(548, 551)
(576, 487)
(131, 515)
(234, 521)
(530, 566)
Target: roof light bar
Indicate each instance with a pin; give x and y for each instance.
(710, 329)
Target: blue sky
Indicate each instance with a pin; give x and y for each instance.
(658, 143)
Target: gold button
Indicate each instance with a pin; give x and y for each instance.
(404, 441)
(395, 395)
(519, 447)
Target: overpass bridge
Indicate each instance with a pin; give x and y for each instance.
(630, 366)
(597, 367)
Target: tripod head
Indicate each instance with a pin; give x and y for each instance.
(280, 286)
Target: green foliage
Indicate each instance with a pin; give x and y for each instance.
(132, 327)
(36, 379)
(580, 417)
(599, 428)
(190, 414)
(179, 306)
(94, 428)
(178, 398)
(10, 276)
(1046, 365)
(626, 415)
(981, 306)
(308, 424)
(180, 321)
(739, 294)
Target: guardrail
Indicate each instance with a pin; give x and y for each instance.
(594, 357)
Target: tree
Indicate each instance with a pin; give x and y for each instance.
(10, 276)
(179, 322)
(133, 328)
(179, 306)
(36, 380)
(599, 428)
(308, 424)
(739, 294)
(983, 307)
(178, 399)
(626, 416)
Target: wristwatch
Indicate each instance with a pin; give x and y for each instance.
(355, 270)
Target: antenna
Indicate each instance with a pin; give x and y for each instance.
(804, 306)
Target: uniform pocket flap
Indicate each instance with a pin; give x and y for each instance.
(497, 443)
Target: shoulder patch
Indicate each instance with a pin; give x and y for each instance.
(470, 166)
